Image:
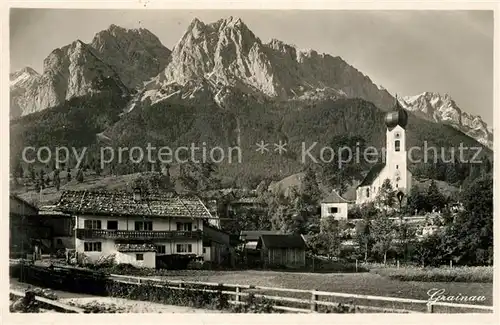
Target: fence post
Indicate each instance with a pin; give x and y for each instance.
(238, 290)
(430, 308)
(314, 298)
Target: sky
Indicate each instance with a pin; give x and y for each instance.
(406, 52)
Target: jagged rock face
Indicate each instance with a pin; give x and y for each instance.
(443, 109)
(222, 62)
(23, 91)
(127, 57)
(227, 52)
(68, 72)
(135, 54)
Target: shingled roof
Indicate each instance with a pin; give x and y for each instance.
(372, 174)
(281, 241)
(251, 235)
(123, 203)
(334, 197)
(125, 248)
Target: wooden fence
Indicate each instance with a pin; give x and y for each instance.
(307, 305)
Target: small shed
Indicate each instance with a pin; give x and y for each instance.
(282, 250)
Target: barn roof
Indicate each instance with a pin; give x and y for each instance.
(251, 235)
(372, 174)
(123, 203)
(282, 241)
(22, 201)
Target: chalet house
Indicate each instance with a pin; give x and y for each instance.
(62, 227)
(47, 228)
(282, 250)
(136, 228)
(24, 227)
(244, 204)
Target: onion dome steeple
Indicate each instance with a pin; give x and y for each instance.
(398, 116)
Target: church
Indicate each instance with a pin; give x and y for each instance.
(395, 167)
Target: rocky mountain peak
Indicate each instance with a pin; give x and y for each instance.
(442, 108)
(136, 54)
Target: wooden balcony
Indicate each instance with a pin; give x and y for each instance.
(136, 234)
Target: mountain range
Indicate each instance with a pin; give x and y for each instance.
(221, 84)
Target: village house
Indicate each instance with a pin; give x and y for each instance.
(217, 246)
(335, 206)
(62, 227)
(24, 227)
(250, 238)
(248, 245)
(141, 229)
(44, 229)
(282, 250)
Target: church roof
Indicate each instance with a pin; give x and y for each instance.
(372, 174)
(398, 116)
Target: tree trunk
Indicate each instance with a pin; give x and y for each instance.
(366, 252)
(385, 257)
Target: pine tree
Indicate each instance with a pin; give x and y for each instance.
(382, 233)
(387, 195)
(79, 176)
(434, 198)
(32, 172)
(310, 187)
(57, 180)
(417, 200)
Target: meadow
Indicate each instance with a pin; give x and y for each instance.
(469, 274)
(354, 283)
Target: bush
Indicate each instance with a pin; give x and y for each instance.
(166, 295)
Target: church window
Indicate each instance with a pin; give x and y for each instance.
(397, 145)
(397, 166)
(367, 192)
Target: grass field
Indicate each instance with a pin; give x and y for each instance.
(443, 274)
(355, 283)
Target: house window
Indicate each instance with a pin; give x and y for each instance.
(113, 225)
(92, 247)
(334, 210)
(144, 225)
(184, 248)
(367, 192)
(397, 145)
(160, 249)
(204, 250)
(92, 224)
(139, 257)
(184, 226)
(397, 166)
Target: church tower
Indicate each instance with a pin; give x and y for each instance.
(396, 149)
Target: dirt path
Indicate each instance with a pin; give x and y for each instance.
(132, 306)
